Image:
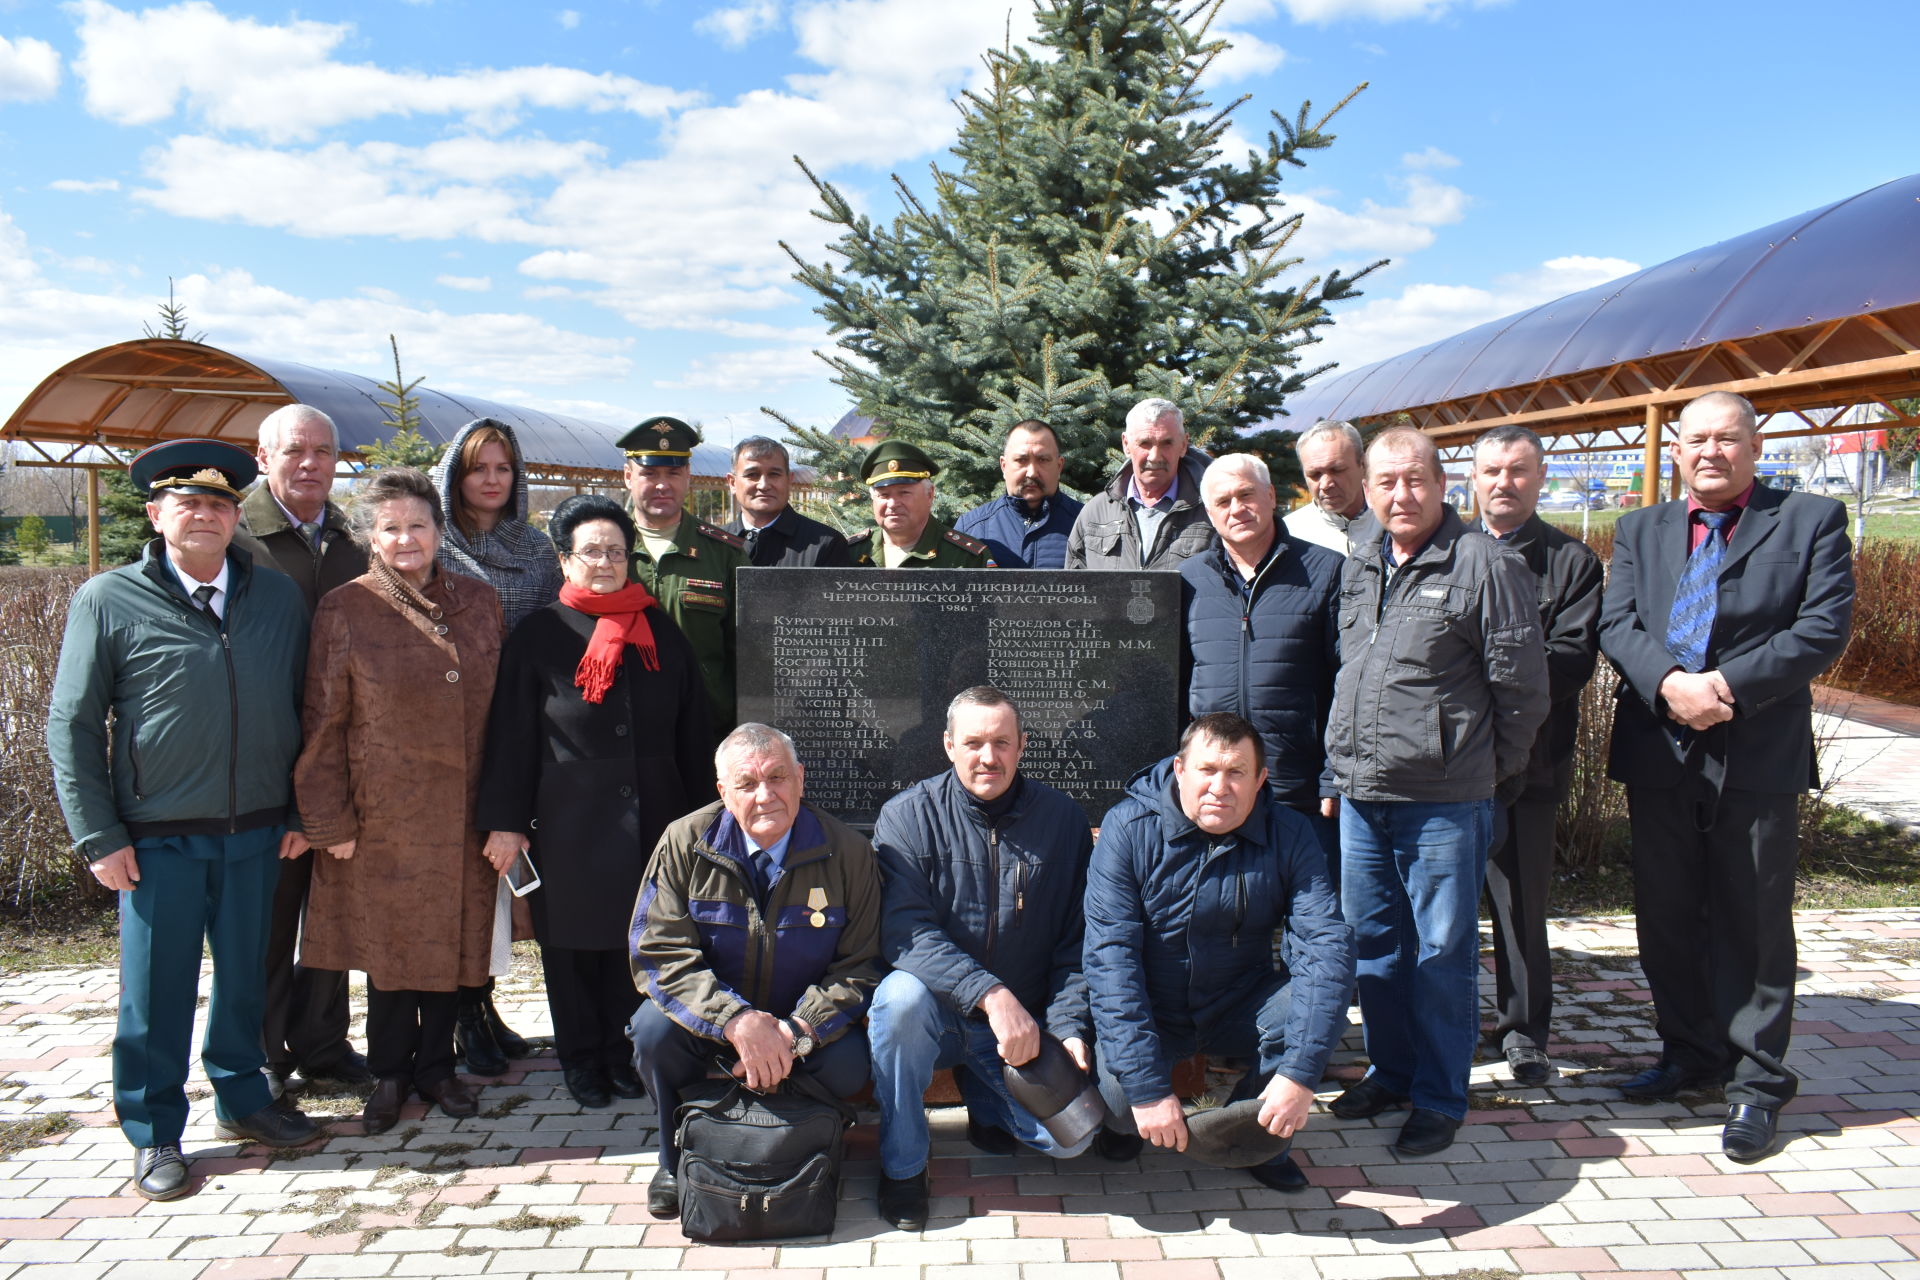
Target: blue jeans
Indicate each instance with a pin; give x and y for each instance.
(914, 1034)
(1412, 874)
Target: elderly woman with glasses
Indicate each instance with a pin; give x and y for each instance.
(599, 738)
(399, 684)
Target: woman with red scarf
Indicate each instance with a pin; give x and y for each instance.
(598, 739)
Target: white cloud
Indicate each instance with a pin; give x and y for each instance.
(1375, 229)
(44, 325)
(29, 69)
(1382, 327)
(281, 82)
(569, 19)
(1431, 158)
(739, 24)
(1323, 12)
(759, 369)
(1249, 57)
(467, 284)
(454, 187)
(83, 186)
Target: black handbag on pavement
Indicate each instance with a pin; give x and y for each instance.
(759, 1166)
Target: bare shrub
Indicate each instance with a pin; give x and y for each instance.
(1883, 657)
(38, 870)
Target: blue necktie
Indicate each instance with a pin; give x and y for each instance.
(1696, 601)
(763, 872)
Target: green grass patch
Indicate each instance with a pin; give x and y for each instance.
(30, 1131)
(89, 941)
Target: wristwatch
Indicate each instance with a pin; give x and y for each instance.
(803, 1041)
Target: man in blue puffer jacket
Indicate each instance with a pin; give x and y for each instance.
(1195, 873)
(982, 873)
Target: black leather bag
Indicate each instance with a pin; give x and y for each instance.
(759, 1166)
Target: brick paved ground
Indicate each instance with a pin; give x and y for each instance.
(1563, 1180)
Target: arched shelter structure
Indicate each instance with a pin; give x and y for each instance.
(1806, 318)
(134, 394)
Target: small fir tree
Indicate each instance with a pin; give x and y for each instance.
(31, 536)
(173, 320)
(124, 527)
(406, 447)
(1093, 248)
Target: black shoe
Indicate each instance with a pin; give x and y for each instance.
(1282, 1175)
(473, 1041)
(278, 1124)
(624, 1082)
(1111, 1144)
(510, 1042)
(1529, 1066)
(589, 1086)
(1425, 1133)
(1663, 1080)
(903, 1201)
(663, 1194)
(1750, 1133)
(1368, 1098)
(160, 1172)
(350, 1069)
(382, 1111)
(991, 1139)
(454, 1096)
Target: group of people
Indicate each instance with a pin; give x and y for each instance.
(431, 705)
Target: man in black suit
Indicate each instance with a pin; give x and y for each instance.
(776, 534)
(1721, 610)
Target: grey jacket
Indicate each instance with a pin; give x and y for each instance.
(514, 558)
(1443, 674)
(1105, 536)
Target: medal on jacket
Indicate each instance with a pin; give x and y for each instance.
(817, 901)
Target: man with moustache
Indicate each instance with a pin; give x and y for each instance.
(1335, 471)
(172, 732)
(1509, 470)
(1027, 526)
(1150, 515)
(685, 562)
(1722, 609)
(899, 476)
(1441, 691)
(775, 534)
(982, 872)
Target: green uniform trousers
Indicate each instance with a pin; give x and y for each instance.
(193, 888)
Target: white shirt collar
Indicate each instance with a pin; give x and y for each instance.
(219, 584)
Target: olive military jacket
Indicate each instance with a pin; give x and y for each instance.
(694, 583)
(939, 548)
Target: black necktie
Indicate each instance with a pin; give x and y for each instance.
(763, 872)
(203, 598)
(752, 537)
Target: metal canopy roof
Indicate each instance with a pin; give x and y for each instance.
(1806, 304)
(135, 393)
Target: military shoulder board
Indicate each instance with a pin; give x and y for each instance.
(718, 534)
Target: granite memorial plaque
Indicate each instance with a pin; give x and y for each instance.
(859, 665)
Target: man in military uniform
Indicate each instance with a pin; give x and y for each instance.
(685, 562)
(900, 478)
(182, 801)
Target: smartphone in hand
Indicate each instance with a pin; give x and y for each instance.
(522, 879)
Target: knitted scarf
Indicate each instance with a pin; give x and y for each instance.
(622, 621)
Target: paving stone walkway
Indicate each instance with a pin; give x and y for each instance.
(1563, 1180)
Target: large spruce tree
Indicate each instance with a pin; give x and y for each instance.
(1095, 247)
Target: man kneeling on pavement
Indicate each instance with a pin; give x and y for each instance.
(756, 936)
(1196, 877)
(983, 870)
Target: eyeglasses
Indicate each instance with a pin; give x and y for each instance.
(601, 555)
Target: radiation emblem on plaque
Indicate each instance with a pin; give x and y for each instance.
(1140, 608)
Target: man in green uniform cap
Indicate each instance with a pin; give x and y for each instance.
(173, 730)
(900, 478)
(685, 562)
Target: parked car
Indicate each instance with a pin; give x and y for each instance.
(1570, 500)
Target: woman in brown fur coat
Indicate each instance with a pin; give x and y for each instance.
(399, 678)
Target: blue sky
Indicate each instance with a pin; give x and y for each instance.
(578, 208)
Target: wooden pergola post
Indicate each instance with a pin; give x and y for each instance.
(93, 521)
(1650, 466)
